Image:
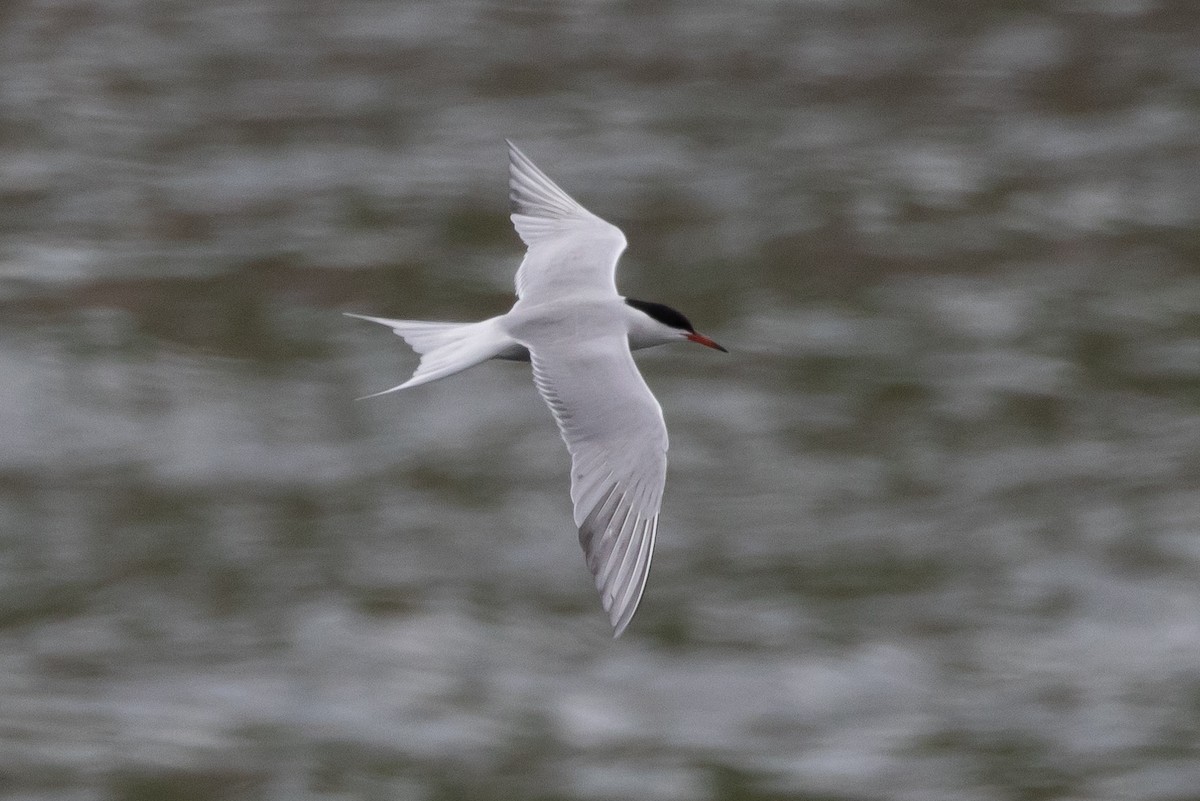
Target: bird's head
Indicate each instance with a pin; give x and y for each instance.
(659, 324)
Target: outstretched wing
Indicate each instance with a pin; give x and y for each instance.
(615, 433)
(569, 248)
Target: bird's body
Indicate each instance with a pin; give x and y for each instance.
(577, 331)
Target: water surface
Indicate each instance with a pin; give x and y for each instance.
(930, 530)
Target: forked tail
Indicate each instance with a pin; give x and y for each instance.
(445, 348)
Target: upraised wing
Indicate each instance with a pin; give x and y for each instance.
(614, 431)
(569, 249)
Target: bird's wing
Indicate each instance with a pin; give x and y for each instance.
(614, 430)
(569, 248)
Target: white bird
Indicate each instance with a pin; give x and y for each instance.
(577, 331)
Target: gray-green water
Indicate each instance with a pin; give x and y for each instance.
(930, 532)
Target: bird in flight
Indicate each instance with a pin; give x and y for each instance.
(570, 322)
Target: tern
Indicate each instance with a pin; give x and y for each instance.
(578, 332)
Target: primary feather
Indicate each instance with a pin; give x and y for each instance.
(570, 250)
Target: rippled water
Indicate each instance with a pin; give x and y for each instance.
(930, 530)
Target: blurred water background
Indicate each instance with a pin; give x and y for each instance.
(930, 531)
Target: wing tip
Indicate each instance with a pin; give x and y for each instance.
(396, 388)
(533, 193)
(621, 616)
(621, 597)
